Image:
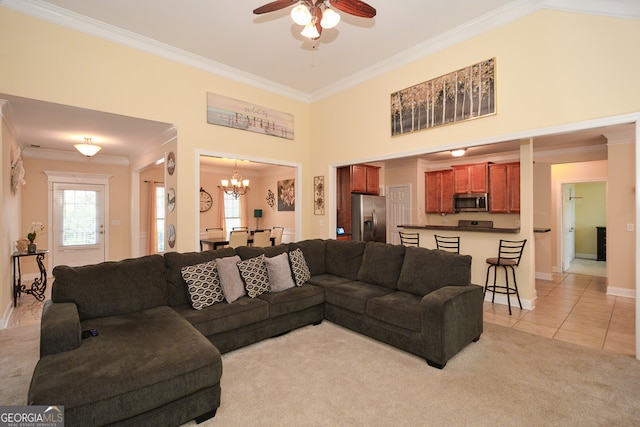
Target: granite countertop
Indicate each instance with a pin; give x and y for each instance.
(459, 228)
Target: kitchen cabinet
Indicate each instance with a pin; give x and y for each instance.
(365, 179)
(504, 187)
(471, 178)
(439, 191)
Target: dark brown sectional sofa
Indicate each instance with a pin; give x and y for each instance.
(149, 358)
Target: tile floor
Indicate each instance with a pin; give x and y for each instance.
(574, 308)
(570, 307)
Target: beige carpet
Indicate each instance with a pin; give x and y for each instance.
(588, 266)
(329, 376)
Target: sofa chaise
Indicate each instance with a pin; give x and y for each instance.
(139, 341)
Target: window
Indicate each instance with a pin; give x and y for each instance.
(160, 218)
(232, 212)
(79, 217)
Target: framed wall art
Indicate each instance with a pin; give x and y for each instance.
(461, 95)
(318, 195)
(287, 195)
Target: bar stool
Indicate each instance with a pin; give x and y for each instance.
(409, 239)
(509, 254)
(448, 243)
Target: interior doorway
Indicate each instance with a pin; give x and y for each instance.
(584, 227)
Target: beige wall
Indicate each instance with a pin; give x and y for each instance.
(552, 69)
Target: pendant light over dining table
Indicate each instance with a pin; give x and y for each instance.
(316, 15)
(236, 186)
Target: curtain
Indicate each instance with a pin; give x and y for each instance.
(222, 223)
(152, 232)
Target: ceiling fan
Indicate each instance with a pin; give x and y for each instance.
(315, 15)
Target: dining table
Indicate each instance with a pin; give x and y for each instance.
(218, 242)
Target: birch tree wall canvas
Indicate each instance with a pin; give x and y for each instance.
(464, 94)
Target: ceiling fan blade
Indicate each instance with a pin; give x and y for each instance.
(354, 7)
(273, 6)
(318, 20)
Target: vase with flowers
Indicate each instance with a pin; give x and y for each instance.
(36, 226)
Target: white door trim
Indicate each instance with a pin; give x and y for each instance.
(57, 177)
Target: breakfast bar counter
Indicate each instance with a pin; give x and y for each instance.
(474, 228)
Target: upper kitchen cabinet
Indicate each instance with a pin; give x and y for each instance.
(439, 191)
(365, 179)
(504, 190)
(472, 178)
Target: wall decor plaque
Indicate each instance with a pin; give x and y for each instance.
(232, 113)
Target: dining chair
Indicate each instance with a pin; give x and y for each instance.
(509, 254)
(262, 238)
(276, 233)
(214, 233)
(409, 239)
(238, 238)
(448, 243)
(240, 229)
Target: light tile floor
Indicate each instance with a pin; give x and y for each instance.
(574, 308)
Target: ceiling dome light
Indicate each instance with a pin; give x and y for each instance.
(87, 148)
(301, 15)
(310, 31)
(329, 19)
(458, 153)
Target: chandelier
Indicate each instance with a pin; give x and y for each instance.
(237, 186)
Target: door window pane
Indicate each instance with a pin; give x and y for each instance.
(79, 217)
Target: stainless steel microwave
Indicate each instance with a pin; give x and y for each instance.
(471, 202)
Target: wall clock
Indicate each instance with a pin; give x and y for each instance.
(205, 200)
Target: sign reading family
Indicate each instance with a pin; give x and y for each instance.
(230, 112)
(464, 94)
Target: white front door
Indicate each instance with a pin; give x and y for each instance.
(78, 224)
(399, 205)
(568, 225)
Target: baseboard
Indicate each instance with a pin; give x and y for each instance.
(544, 276)
(621, 292)
(6, 315)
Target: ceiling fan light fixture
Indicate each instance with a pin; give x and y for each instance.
(330, 19)
(87, 148)
(310, 31)
(301, 14)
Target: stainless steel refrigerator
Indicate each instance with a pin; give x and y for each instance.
(368, 218)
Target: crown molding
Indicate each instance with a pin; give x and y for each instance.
(492, 20)
(68, 156)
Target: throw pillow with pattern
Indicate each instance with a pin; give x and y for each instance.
(299, 267)
(203, 284)
(255, 275)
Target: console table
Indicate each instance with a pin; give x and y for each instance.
(38, 286)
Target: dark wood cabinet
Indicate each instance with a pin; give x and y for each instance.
(472, 178)
(365, 179)
(601, 236)
(439, 191)
(504, 187)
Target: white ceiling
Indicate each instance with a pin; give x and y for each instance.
(265, 51)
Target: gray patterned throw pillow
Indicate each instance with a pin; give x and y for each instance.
(299, 267)
(203, 284)
(255, 276)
